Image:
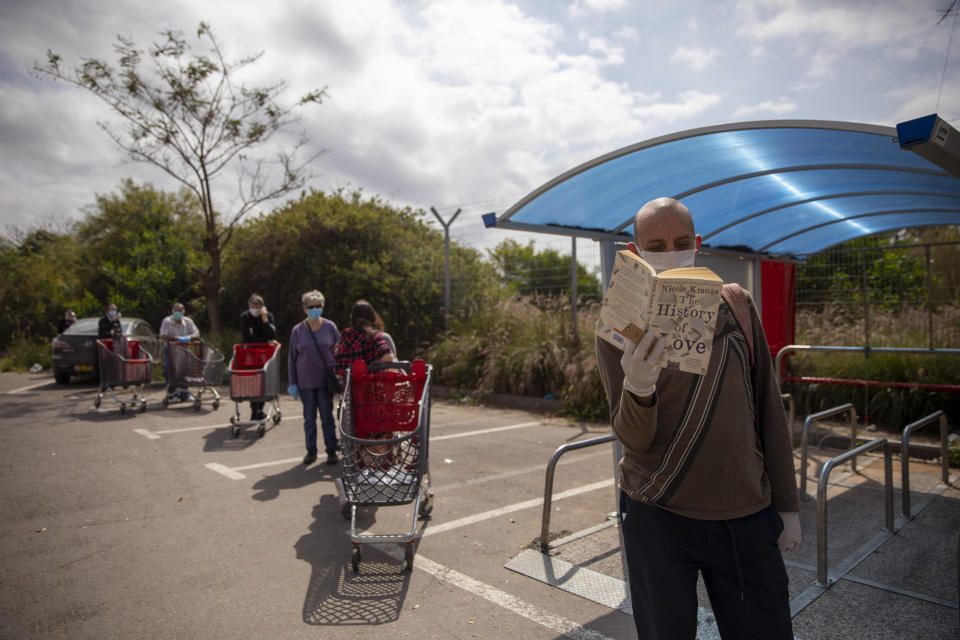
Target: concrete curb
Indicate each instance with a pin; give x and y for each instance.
(504, 400)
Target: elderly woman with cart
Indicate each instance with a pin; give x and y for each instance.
(257, 326)
(310, 371)
(255, 368)
(384, 428)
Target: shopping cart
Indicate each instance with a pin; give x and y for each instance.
(255, 376)
(195, 364)
(384, 435)
(123, 363)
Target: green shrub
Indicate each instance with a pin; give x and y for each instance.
(524, 345)
(889, 408)
(24, 353)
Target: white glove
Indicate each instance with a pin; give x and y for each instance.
(640, 369)
(790, 536)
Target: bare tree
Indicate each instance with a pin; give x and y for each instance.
(185, 115)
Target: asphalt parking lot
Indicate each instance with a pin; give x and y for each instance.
(163, 525)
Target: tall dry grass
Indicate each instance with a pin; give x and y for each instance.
(525, 345)
(889, 408)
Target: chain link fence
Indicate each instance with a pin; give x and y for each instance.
(881, 296)
(874, 295)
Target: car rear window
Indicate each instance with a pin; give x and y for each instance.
(83, 326)
(90, 327)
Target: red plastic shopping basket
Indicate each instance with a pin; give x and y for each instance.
(133, 360)
(386, 400)
(246, 375)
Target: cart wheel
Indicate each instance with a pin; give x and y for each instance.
(96, 403)
(426, 507)
(196, 404)
(235, 431)
(166, 400)
(355, 560)
(216, 404)
(123, 408)
(408, 557)
(345, 511)
(276, 418)
(262, 429)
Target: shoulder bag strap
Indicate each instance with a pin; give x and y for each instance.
(317, 345)
(733, 294)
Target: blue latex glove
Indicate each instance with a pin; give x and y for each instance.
(293, 390)
(183, 339)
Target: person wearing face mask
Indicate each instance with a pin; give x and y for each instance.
(68, 319)
(257, 325)
(707, 474)
(176, 327)
(109, 323)
(310, 370)
(364, 339)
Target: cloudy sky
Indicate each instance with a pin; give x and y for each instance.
(471, 104)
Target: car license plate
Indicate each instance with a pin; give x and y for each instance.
(84, 367)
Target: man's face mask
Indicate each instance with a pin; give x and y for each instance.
(177, 315)
(255, 311)
(664, 260)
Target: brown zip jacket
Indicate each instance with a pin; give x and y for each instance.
(712, 446)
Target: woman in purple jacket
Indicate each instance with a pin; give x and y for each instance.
(309, 360)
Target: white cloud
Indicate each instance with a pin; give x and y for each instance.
(694, 57)
(609, 53)
(581, 7)
(823, 34)
(441, 102)
(690, 103)
(780, 107)
(627, 33)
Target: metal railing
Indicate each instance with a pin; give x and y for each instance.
(905, 454)
(814, 417)
(822, 498)
(790, 348)
(548, 485)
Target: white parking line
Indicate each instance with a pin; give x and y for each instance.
(153, 435)
(498, 597)
(552, 621)
(267, 464)
(234, 471)
(526, 504)
(466, 434)
(28, 387)
(227, 471)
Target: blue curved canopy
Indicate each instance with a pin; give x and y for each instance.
(777, 188)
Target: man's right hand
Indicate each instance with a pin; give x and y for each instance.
(641, 366)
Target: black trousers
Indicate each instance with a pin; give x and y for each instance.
(741, 565)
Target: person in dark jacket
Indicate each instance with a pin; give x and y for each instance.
(68, 319)
(257, 325)
(109, 322)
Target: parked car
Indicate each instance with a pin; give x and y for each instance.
(75, 350)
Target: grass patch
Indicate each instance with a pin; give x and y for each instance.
(525, 346)
(24, 353)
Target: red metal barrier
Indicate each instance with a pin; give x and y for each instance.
(915, 386)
